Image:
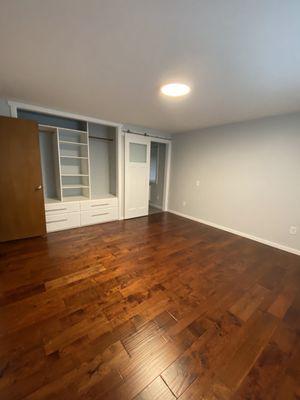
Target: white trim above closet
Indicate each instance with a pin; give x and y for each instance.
(14, 106)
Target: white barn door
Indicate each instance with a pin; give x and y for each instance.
(137, 170)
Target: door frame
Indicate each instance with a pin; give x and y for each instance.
(168, 142)
(165, 202)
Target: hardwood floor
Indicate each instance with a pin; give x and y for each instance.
(151, 308)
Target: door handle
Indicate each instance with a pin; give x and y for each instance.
(39, 187)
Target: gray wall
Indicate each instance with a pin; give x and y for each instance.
(249, 177)
(4, 108)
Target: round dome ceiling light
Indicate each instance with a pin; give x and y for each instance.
(175, 89)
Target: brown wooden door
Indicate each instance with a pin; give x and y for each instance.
(21, 196)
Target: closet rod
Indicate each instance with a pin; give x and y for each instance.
(144, 134)
(101, 138)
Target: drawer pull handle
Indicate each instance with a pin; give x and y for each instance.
(57, 209)
(98, 215)
(59, 220)
(99, 205)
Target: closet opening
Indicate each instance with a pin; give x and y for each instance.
(49, 151)
(157, 176)
(103, 160)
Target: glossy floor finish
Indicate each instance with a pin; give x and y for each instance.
(151, 308)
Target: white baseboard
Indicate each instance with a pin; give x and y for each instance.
(246, 235)
(155, 205)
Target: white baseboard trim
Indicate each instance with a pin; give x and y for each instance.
(246, 235)
(155, 205)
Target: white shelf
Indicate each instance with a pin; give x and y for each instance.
(71, 130)
(47, 128)
(81, 158)
(75, 186)
(76, 143)
(74, 174)
(75, 198)
(79, 198)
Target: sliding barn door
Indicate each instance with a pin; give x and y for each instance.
(137, 170)
(21, 197)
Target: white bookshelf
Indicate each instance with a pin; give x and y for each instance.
(74, 164)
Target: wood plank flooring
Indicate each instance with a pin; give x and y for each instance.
(151, 308)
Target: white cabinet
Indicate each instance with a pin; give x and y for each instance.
(92, 205)
(98, 216)
(67, 215)
(61, 207)
(57, 222)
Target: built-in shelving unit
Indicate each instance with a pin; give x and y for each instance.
(79, 167)
(85, 162)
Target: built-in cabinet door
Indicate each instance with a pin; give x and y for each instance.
(21, 197)
(137, 170)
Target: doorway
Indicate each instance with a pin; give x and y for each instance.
(157, 177)
(146, 174)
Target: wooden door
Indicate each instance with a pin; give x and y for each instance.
(21, 196)
(137, 172)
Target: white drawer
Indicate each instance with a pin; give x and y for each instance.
(98, 204)
(62, 221)
(97, 216)
(61, 208)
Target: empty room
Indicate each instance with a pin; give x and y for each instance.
(150, 200)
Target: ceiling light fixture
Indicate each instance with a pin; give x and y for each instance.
(175, 89)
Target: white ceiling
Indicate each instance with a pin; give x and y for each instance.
(108, 58)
